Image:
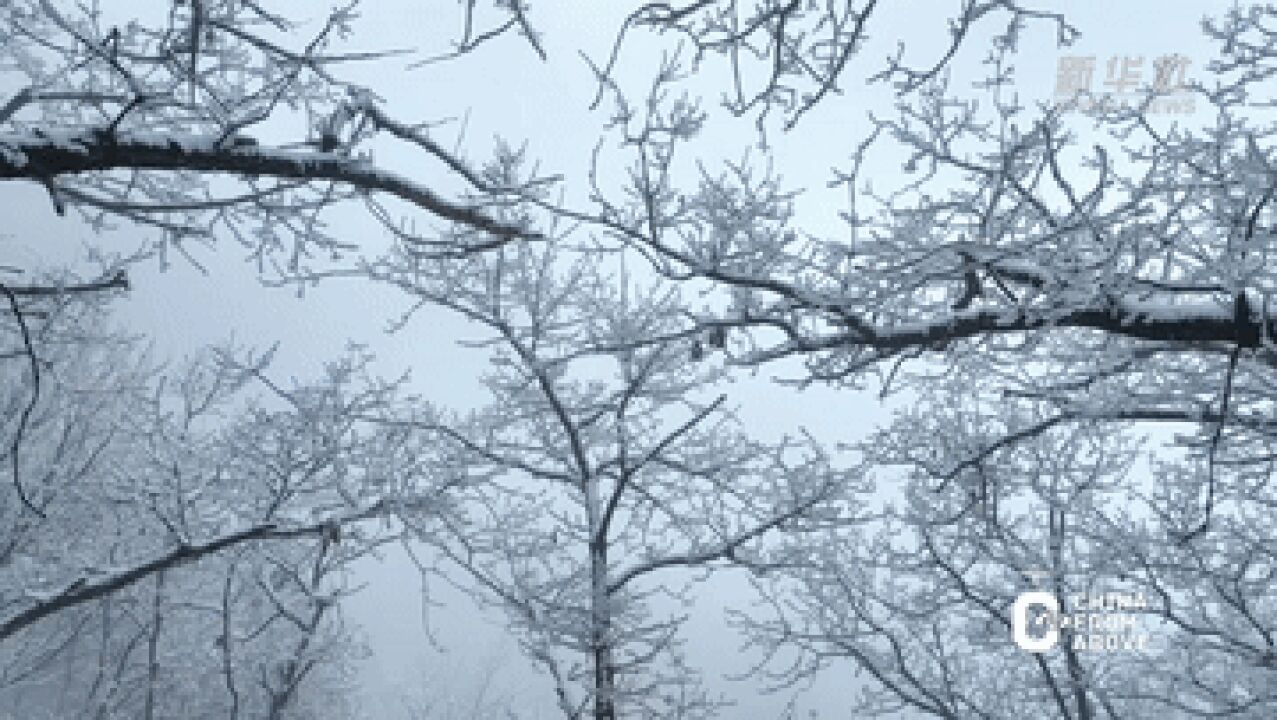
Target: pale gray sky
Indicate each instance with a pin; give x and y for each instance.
(504, 91)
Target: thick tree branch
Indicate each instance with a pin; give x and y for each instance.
(119, 280)
(84, 590)
(1188, 324)
(30, 156)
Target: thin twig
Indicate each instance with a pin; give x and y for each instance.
(25, 418)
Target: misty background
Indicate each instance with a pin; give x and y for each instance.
(431, 643)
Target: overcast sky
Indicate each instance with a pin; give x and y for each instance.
(505, 91)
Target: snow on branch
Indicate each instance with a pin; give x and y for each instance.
(41, 157)
(86, 589)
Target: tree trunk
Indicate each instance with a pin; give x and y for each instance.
(601, 634)
(153, 647)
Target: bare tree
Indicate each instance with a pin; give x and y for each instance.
(921, 600)
(224, 118)
(1047, 294)
(1050, 290)
(605, 476)
(175, 528)
(166, 126)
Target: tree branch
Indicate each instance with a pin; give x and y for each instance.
(84, 590)
(119, 280)
(28, 156)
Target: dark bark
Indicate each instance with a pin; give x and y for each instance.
(85, 590)
(31, 156)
